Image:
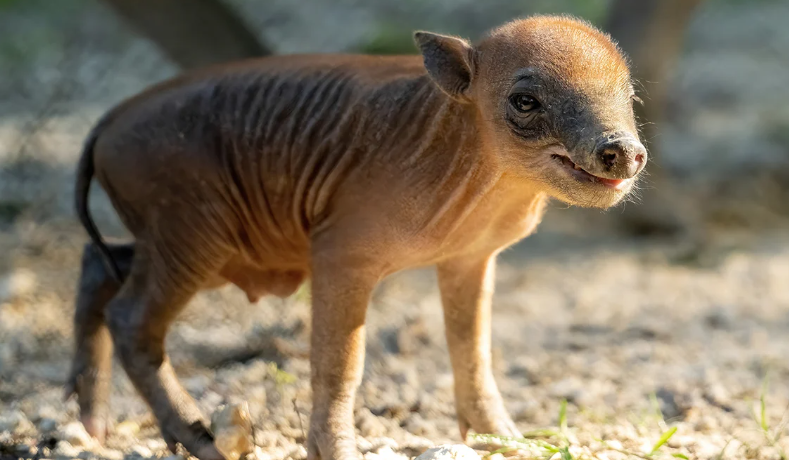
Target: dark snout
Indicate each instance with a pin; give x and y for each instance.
(622, 157)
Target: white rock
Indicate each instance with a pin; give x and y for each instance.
(258, 454)
(111, 454)
(211, 399)
(445, 381)
(141, 451)
(299, 453)
(381, 443)
(46, 412)
(45, 425)
(127, 429)
(74, 434)
(155, 444)
(417, 425)
(614, 444)
(232, 428)
(385, 453)
(15, 422)
(450, 452)
(16, 284)
(415, 443)
(369, 425)
(363, 445)
(525, 410)
(64, 449)
(267, 438)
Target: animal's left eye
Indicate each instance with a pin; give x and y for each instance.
(524, 103)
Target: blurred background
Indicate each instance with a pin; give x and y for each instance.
(670, 311)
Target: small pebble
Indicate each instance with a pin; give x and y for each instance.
(706, 423)
(16, 284)
(266, 438)
(74, 433)
(717, 394)
(24, 450)
(141, 451)
(46, 412)
(450, 452)
(64, 449)
(417, 425)
(258, 454)
(385, 453)
(15, 422)
(678, 441)
(46, 425)
(232, 428)
(382, 442)
(110, 454)
(614, 444)
(417, 444)
(299, 453)
(363, 445)
(369, 425)
(156, 444)
(706, 449)
(526, 410)
(569, 388)
(127, 429)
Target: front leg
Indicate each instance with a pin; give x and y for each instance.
(341, 291)
(466, 289)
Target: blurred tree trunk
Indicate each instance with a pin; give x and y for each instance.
(192, 33)
(652, 32)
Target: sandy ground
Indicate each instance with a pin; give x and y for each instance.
(638, 336)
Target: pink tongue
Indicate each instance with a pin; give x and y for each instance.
(612, 182)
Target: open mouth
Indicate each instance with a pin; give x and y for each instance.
(581, 175)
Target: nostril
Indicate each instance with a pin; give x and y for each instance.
(609, 158)
(640, 158)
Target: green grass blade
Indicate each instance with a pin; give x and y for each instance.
(763, 407)
(663, 439)
(509, 441)
(502, 450)
(563, 416)
(682, 456)
(656, 406)
(546, 433)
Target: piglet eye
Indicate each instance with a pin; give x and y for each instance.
(524, 103)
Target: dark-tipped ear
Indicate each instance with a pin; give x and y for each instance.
(448, 61)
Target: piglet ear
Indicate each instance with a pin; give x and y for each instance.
(448, 61)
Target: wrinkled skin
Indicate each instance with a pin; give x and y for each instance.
(343, 169)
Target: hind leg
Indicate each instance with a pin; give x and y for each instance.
(155, 292)
(91, 365)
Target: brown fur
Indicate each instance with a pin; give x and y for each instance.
(343, 169)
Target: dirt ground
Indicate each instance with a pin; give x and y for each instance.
(637, 336)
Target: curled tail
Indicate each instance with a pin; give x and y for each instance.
(85, 171)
